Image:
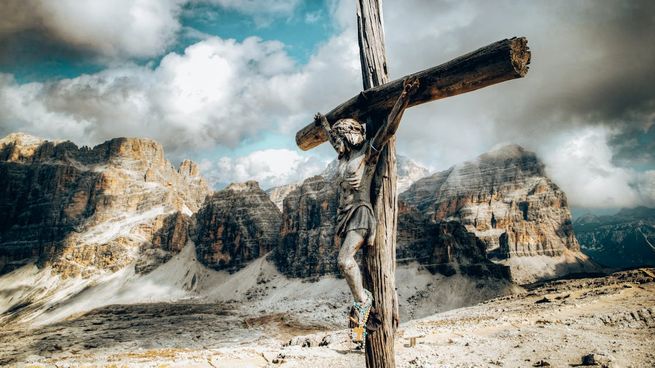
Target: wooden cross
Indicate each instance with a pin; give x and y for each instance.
(498, 62)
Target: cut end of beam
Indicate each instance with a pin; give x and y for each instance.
(311, 136)
(520, 54)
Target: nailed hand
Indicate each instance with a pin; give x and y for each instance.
(410, 85)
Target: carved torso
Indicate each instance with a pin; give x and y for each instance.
(354, 177)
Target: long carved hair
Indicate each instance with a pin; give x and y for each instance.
(351, 130)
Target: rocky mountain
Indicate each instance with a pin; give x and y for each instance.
(118, 215)
(309, 246)
(444, 247)
(235, 226)
(277, 194)
(408, 172)
(88, 210)
(626, 239)
(505, 198)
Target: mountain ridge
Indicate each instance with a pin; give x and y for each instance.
(150, 213)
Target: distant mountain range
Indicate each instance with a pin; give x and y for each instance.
(78, 219)
(626, 239)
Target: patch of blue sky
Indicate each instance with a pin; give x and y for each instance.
(50, 69)
(266, 140)
(301, 32)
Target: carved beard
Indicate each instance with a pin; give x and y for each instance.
(354, 138)
(342, 149)
(349, 141)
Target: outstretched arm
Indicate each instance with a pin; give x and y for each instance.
(335, 140)
(388, 129)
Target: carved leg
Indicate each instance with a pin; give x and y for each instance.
(348, 266)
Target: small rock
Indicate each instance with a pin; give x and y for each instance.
(541, 363)
(327, 339)
(279, 359)
(544, 300)
(589, 359)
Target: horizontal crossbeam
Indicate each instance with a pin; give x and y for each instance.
(498, 62)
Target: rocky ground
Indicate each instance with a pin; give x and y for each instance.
(554, 324)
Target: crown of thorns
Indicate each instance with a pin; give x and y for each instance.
(352, 130)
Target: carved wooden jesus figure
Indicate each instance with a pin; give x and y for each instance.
(355, 217)
(362, 179)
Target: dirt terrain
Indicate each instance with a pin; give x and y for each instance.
(553, 324)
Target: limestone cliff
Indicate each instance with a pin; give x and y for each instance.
(278, 194)
(309, 247)
(444, 247)
(505, 198)
(308, 244)
(87, 210)
(236, 225)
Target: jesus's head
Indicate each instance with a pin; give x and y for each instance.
(352, 132)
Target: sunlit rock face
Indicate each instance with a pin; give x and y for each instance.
(445, 247)
(505, 198)
(278, 194)
(236, 225)
(88, 210)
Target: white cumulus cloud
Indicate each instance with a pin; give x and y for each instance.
(582, 166)
(269, 167)
(217, 92)
(117, 28)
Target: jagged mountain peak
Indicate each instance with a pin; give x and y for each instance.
(22, 139)
(509, 157)
(506, 199)
(245, 186)
(236, 225)
(89, 210)
(507, 151)
(21, 147)
(488, 170)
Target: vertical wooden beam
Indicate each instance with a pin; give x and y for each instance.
(380, 267)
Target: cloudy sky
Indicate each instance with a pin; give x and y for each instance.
(227, 83)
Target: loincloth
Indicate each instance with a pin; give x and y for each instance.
(358, 216)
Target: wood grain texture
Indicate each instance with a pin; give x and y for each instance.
(498, 62)
(380, 259)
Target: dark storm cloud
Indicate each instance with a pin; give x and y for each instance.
(109, 31)
(607, 58)
(634, 147)
(593, 66)
(30, 47)
(598, 63)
